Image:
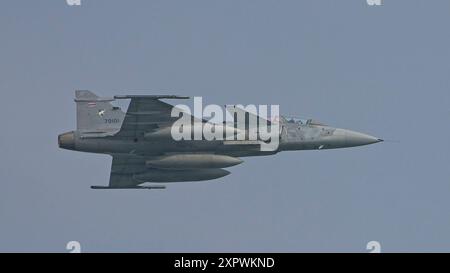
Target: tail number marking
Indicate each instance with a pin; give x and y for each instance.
(111, 120)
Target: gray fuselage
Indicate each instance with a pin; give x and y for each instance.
(293, 136)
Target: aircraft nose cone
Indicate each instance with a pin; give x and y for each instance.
(66, 141)
(358, 139)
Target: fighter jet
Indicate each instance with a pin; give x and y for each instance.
(143, 149)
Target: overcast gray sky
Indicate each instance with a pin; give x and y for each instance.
(379, 70)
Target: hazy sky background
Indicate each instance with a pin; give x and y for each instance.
(379, 70)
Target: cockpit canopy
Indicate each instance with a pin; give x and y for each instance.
(304, 121)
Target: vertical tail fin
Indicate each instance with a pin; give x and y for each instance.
(95, 114)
